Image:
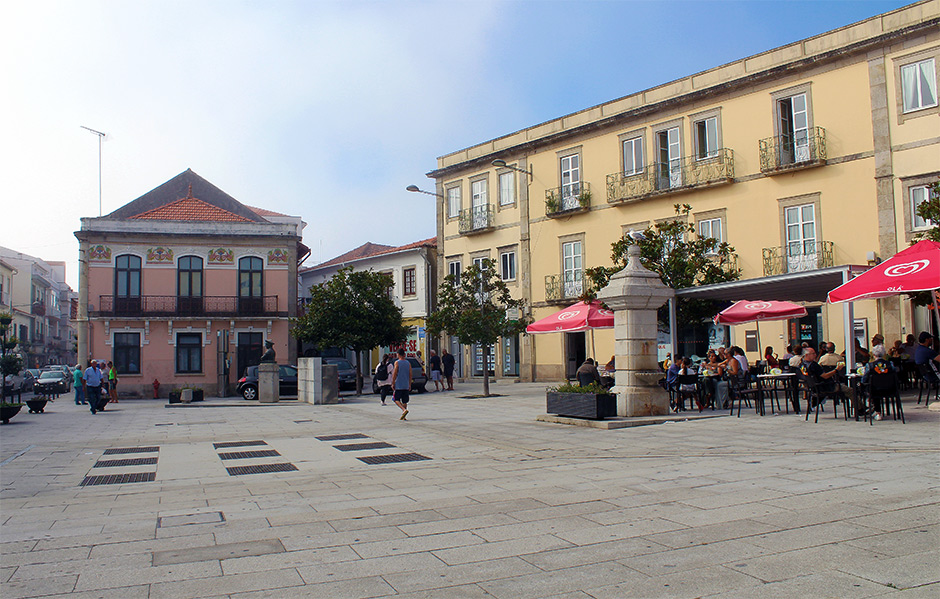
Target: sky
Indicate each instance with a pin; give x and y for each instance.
(321, 109)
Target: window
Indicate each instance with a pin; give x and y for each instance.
(189, 286)
(409, 281)
(793, 129)
(454, 269)
(801, 237)
(919, 195)
(706, 138)
(570, 180)
(390, 291)
(669, 163)
(250, 285)
(507, 266)
(127, 353)
(480, 205)
(507, 189)
(189, 353)
(127, 284)
(919, 85)
(453, 202)
(572, 269)
(633, 156)
(710, 228)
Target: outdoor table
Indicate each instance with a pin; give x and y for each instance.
(855, 382)
(705, 380)
(785, 378)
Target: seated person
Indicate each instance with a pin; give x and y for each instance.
(587, 373)
(770, 358)
(924, 353)
(878, 365)
(831, 359)
(687, 369)
(827, 382)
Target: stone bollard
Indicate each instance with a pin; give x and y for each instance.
(269, 383)
(330, 384)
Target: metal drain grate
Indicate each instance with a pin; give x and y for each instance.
(241, 455)
(299, 421)
(120, 450)
(119, 479)
(261, 469)
(127, 462)
(342, 437)
(237, 444)
(361, 446)
(397, 457)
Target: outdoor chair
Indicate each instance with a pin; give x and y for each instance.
(930, 380)
(740, 391)
(682, 384)
(884, 388)
(815, 396)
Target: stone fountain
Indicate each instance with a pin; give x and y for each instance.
(634, 294)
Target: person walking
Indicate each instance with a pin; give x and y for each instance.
(112, 382)
(77, 383)
(91, 381)
(435, 363)
(401, 376)
(447, 363)
(383, 377)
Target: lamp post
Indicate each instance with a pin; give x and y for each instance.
(499, 163)
(101, 137)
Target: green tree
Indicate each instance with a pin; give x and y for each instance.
(477, 309)
(674, 250)
(353, 310)
(10, 363)
(929, 210)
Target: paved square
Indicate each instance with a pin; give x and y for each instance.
(502, 506)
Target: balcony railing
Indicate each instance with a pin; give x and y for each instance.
(38, 309)
(785, 152)
(476, 220)
(797, 257)
(681, 174)
(565, 286)
(171, 305)
(567, 199)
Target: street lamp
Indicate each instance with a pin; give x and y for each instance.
(415, 189)
(101, 137)
(499, 163)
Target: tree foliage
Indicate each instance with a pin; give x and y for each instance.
(674, 250)
(476, 307)
(353, 310)
(929, 210)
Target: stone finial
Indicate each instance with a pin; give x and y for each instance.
(635, 287)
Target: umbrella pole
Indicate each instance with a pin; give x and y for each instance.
(593, 351)
(936, 309)
(760, 352)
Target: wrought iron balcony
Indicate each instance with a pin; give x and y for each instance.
(786, 152)
(38, 309)
(566, 286)
(187, 307)
(798, 257)
(476, 220)
(567, 199)
(682, 174)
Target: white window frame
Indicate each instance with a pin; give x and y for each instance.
(507, 188)
(924, 191)
(478, 193)
(404, 281)
(455, 268)
(633, 148)
(507, 265)
(572, 268)
(569, 167)
(710, 224)
(453, 201)
(707, 128)
(921, 68)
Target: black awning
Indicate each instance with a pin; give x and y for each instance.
(808, 286)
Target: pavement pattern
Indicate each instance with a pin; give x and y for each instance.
(235, 499)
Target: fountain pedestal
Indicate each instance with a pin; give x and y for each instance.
(634, 294)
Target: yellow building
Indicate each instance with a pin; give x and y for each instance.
(807, 158)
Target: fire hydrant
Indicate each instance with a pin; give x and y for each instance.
(156, 389)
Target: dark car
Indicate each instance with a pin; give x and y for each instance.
(248, 384)
(345, 370)
(28, 380)
(14, 384)
(418, 377)
(51, 382)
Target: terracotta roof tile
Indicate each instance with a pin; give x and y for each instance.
(369, 250)
(265, 212)
(191, 209)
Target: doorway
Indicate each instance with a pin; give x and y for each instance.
(575, 353)
(249, 351)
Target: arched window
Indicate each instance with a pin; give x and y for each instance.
(127, 284)
(250, 285)
(189, 286)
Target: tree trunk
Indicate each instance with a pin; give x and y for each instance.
(486, 370)
(358, 372)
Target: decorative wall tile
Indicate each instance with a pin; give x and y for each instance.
(159, 255)
(99, 253)
(278, 256)
(221, 256)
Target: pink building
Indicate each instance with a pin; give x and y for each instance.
(184, 284)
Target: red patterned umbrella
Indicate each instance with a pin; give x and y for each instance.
(915, 269)
(751, 311)
(579, 317)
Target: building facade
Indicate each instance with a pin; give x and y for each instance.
(184, 285)
(35, 292)
(805, 158)
(413, 269)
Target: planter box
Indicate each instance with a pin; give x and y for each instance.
(198, 395)
(36, 406)
(174, 397)
(581, 405)
(9, 411)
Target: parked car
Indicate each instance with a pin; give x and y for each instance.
(346, 372)
(52, 381)
(28, 380)
(14, 384)
(419, 379)
(247, 386)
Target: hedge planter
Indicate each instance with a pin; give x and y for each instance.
(36, 406)
(175, 397)
(595, 406)
(8, 411)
